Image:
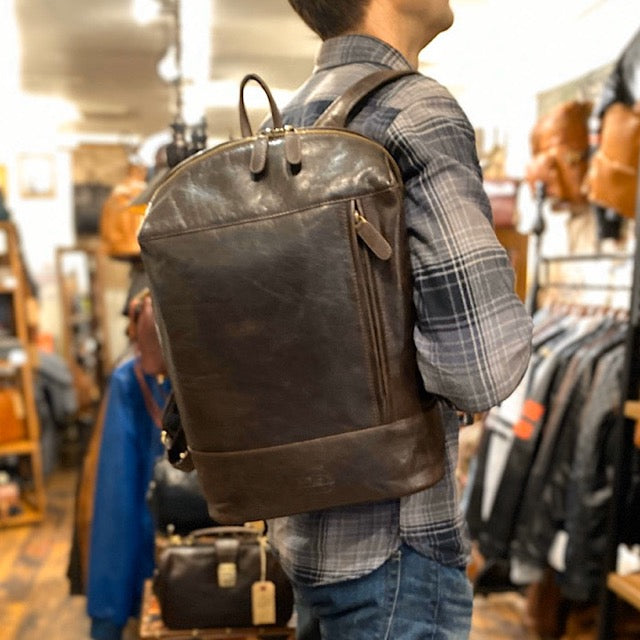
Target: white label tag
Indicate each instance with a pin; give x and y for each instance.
(263, 602)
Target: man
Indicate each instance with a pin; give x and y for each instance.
(396, 570)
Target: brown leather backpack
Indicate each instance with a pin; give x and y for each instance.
(613, 174)
(120, 220)
(281, 281)
(559, 146)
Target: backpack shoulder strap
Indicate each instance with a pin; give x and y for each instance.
(337, 113)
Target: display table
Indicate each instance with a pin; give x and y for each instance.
(151, 626)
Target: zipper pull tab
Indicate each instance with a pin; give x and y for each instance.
(258, 160)
(372, 237)
(292, 148)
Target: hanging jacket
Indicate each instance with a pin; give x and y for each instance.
(121, 553)
(544, 506)
(503, 473)
(590, 486)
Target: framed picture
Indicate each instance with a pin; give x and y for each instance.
(36, 175)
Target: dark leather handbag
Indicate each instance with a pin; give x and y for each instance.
(176, 501)
(215, 578)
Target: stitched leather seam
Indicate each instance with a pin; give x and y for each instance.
(410, 424)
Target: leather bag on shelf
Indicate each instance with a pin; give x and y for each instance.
(12, 416)
(279, 269)
(120, 218)
(208, 580)
(560, 147)
(613, 173)
(176, 501)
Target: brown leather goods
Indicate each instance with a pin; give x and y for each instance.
(559, 146)
(280, 276)
(205, 580)
(120, 219)
(143, 334)
(12, 417)
(613, 174)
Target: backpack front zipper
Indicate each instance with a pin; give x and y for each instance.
(371, 242)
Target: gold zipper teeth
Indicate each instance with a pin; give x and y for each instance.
(377, 347)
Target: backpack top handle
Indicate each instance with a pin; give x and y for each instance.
(245, 125)
(292, 148)
(335, 116)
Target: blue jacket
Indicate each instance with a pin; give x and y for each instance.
(122, 532)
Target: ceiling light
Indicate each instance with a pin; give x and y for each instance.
(145, 11)
(168, 68)
(51, 110)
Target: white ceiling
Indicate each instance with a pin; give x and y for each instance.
(93, 54)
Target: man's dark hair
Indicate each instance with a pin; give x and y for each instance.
(330, 18)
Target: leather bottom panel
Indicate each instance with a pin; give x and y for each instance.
(367, 465)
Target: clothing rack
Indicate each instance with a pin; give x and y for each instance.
(541, 280)
(615, 586)
(545, 283)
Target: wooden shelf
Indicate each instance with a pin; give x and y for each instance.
(626, 587)
(29, 515)
(18, 357)
(19, 447)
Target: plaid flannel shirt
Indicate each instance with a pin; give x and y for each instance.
(472, 333)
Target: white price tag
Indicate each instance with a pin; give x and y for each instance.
(263, 602)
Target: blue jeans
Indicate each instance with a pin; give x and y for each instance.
(408, 598)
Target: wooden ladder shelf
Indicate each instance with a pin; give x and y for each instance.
(18, 357)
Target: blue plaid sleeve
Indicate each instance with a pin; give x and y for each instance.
(472, 333)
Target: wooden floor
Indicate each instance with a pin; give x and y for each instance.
(34, 592)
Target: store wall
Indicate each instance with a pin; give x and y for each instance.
(500, 54)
